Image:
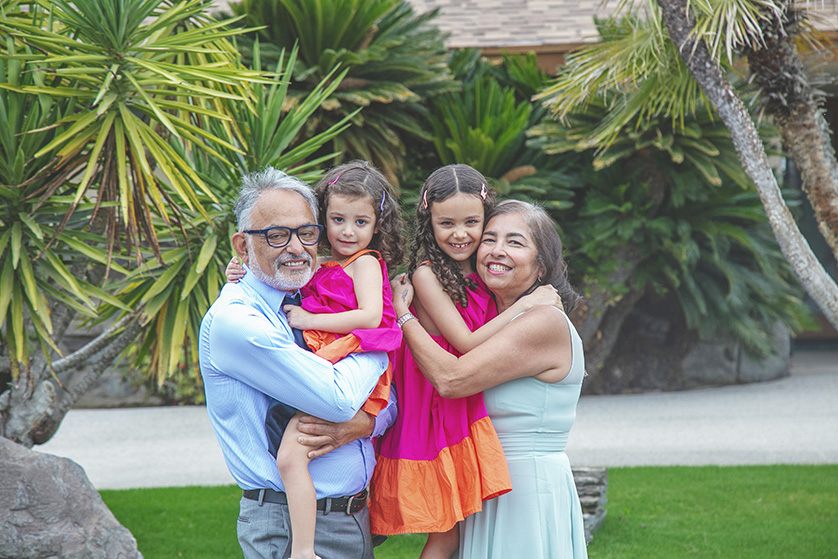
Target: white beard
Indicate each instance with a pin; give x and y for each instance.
(282, 279)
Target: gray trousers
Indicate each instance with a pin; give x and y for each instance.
(264, 532)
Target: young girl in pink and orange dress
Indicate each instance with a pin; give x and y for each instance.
(346, 307)
(442, 458)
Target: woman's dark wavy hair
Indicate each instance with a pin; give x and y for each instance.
(440, 185)
(359, 179)
(548, 246)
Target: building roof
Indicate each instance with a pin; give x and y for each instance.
(547, 25)
(515, 23)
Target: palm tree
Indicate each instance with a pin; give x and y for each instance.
(787, 95)
(705, 36)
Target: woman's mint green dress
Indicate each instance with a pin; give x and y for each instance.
(541, 517)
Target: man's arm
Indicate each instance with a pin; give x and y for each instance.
(324, 436)
(260, 353)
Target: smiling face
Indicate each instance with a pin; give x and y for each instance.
(507, 260)
(457, 223)
(287, 268)
(350, 224)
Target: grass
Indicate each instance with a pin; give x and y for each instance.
(745, 512)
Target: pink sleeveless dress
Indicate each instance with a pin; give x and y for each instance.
(331, 290)
(441, 458)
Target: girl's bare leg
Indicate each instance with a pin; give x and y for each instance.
(292, 461)
(442, 545)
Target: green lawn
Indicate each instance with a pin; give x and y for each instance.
(759, 512)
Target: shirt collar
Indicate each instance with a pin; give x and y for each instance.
(272, 296)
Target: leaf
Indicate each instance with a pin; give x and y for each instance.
(29, 283)
(165, 279)
(6, 286)
(197, 269)
(16, 243)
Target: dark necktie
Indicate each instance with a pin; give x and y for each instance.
(298, 334)
(279, 414)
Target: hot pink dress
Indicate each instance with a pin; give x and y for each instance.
(331, 290)
(441, 458)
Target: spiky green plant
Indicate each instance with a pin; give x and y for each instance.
(677, 195)
(395, 59)
(119, 64)
(121, 125)
(176, 295)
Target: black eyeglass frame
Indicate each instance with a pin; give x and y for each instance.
(291, 231)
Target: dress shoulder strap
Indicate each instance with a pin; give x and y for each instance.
(358, 254)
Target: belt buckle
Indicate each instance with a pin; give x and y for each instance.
(360, 496)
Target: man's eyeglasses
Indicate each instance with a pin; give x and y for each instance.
(278, 237)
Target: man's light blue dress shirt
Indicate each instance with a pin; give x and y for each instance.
(248, 356)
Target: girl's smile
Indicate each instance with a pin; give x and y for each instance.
(457, 223)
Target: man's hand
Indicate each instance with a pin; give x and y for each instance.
(324, 436)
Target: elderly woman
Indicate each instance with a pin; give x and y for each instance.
(530, 374)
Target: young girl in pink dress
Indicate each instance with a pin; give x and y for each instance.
(441, 459)
(346, 307)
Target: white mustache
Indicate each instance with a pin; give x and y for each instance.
(283, 258)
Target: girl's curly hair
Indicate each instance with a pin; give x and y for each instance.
(359, 179)
(440, 185)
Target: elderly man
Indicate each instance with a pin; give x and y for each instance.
(250, 362)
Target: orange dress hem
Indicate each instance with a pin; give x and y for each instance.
(455, 468)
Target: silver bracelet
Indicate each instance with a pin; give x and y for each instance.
(404, 318)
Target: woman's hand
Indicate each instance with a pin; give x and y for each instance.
(402, 294)
(235, 271)
(324, 436)
(299, 318)
(542, 295)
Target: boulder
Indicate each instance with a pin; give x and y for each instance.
(50, 510)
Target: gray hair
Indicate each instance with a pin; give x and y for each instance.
(254, 184)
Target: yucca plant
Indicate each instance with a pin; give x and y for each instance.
(36, 264)
(119, 64)
(395, 60)
(104, 105)
(176, 294)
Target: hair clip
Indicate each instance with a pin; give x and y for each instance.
(333, 181)
(425, 200)
(383, 197)
(483, 191)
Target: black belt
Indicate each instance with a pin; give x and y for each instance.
(350, 504)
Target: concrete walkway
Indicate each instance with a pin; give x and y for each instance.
(789, 421)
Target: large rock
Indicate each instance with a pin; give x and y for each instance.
(49, 510)
(657, 351)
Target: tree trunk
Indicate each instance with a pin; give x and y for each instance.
(704, 69)
(31, 410)
(787, 96)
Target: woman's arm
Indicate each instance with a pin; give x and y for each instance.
(439, 308)
(365, 272)
(535, 344)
